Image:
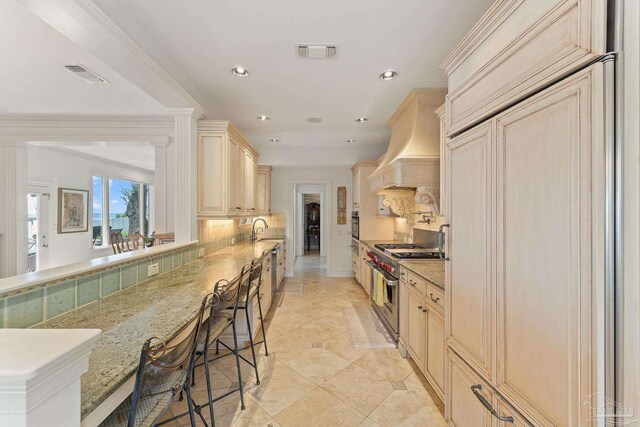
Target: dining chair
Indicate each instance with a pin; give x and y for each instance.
(164, 372)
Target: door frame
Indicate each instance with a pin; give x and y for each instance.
(325, 214)
(44, 257)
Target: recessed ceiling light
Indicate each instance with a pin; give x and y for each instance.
(351, 141)
(240, 71)
(362, 120)
(263, 118)
(388, 75)
(274, 140)
(314, 119)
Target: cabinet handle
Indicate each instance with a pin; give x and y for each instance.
(424, 310)
(238, 207)
(434, 299)
(402, 273)
(486, 404)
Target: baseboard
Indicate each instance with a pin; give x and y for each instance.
(340, 273)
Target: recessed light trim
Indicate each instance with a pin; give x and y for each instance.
(274, 140)
(263, 118)
(314, 120)
(351, 141)
(388, 75)
(362, 120)
(240, 71)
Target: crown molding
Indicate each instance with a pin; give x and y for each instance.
(43, 130)
(490, 21)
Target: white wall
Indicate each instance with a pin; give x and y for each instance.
(65, 169)
(338, 236)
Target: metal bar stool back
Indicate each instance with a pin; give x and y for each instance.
(164, 371)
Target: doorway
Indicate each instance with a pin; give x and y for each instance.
(38, 227)
(312, 223)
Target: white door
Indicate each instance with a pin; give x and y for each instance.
(38, 227)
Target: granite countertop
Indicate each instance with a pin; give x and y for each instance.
(158, 307)
(380, 242)
(432, 270)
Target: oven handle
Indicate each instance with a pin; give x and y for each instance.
(391, 281)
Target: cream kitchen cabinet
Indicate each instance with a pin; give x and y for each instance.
(440, 112)
(545, 151)
(469, 313)
(417, 328)
(365, 269)
(263, 190)
(250, 183)
(374, 225)
(422, 333)
(355, 189)
(227, 171)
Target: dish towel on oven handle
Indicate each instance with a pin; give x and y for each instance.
(380, 289)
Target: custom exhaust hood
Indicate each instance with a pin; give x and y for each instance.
(412, 161)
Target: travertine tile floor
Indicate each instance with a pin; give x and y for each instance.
(313, 376)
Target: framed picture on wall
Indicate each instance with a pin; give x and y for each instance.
(342, 205)
(73, 210)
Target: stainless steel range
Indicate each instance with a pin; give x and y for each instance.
(385, 259)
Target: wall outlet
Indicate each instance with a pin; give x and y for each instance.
(200, 252)
(153, 269)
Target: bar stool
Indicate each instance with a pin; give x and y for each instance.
(164, 371)
(246, 298)
(227, 295)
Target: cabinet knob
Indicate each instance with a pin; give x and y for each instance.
(420, 307)
(424, 310)
(434, 299)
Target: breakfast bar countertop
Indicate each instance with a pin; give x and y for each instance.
(431, 270)
(159, 307)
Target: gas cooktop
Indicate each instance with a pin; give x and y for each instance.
(408, 251)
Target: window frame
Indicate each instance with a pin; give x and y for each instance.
(106, 211)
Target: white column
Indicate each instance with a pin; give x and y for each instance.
(13, 214)
(160, 192)
(40, 372)
(185, 162)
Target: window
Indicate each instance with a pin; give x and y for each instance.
(123, 206)
(97, 212)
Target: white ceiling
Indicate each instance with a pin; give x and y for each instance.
(197, 43)
(34, 80)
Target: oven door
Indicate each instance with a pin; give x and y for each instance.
(355, 227)
(389, 311)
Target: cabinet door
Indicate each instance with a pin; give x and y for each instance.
(236, 179)
(550, 162)
(212, 169)
(435, 350)
(469, 291)
(403, 303)
(250, 184)
(417, 329)
(462, 407)
(263, 191)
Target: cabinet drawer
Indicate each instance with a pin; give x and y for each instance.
(404, 274)
(517, 48)
(417, 283)
(506, 410)
(462, 407)
(435, 296)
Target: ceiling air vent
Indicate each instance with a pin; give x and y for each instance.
(85, 73)
(316, 51)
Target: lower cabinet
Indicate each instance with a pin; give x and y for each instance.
(417, 330)
(470, 400)
(422, 335)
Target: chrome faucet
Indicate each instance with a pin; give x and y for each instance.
(254, 235)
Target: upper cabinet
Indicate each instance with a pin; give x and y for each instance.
(516, 48)
(263, 191)
(441, 113)
(227, 171)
